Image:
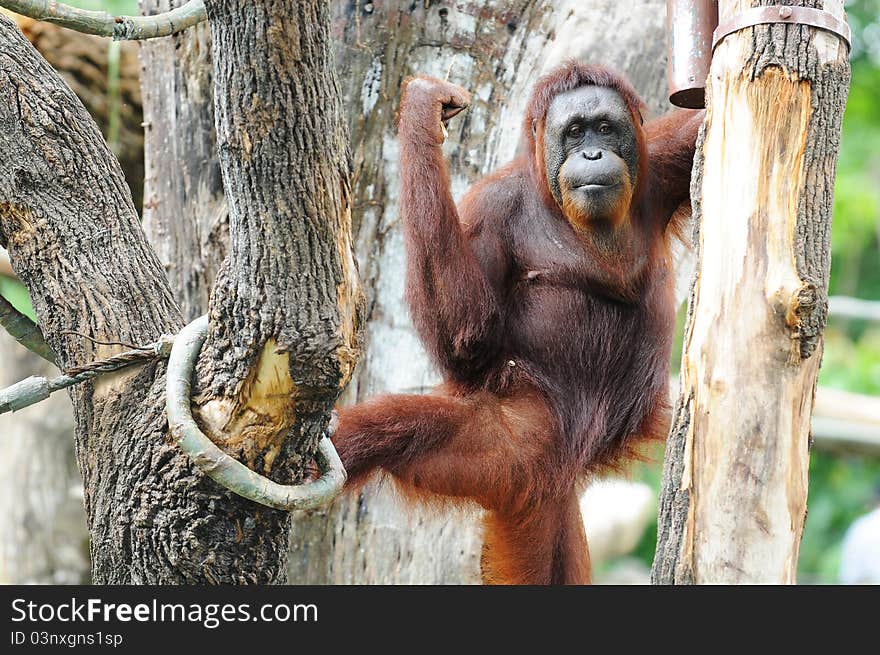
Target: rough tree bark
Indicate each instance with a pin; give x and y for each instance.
(734, 493)
(496, 50)
(185, 214)
(82, 60)
(286, 307)
(381, 541)
(46, 539)
(271, 374)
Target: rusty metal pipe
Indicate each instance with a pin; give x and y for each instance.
(689, 27)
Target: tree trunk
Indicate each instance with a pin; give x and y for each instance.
(377, 541)
(290, 297)
(735, 481)
(83, 61)
(496, 50)
(185, 214)
(46, 540)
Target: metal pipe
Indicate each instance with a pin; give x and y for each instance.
(689, 27)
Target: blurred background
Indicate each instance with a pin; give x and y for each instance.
(844, 480)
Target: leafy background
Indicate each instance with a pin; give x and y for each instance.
(841, 488)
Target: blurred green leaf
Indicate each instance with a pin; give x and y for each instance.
(16, 293)
(127, 7)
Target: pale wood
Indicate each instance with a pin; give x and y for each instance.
(735, 485)
(5, 265)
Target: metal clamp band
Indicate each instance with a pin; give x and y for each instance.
(818, 18)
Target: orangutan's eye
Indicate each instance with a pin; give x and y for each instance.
(575, 131)
(605, 128)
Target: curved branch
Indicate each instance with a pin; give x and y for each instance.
(101, 23)
(220, 467)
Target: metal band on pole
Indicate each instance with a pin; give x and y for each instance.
(818, 18)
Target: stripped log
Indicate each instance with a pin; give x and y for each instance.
(734, 494)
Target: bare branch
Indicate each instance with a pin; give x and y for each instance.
(36, 388)
(846, 423)
(101, 23)
(842, 437)
(854, 308)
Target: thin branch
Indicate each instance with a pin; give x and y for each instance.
(101, 23)
(846, 423)
(37, 388)
(854, 308)
(842, 437)
(24, 330)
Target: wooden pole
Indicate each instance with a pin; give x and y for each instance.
(733, 502)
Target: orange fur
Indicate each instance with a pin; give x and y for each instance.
(554, 350)
(617, 214)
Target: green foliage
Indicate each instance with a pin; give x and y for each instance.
(841, 489)
(650, 472)
(852, 358)
(16, 294)
(117, 7)
(855, 267)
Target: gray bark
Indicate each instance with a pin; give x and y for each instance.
(82, 60)
(284, 155)
(185, 215)
(46, 540)
(496, 50)
(63, 207)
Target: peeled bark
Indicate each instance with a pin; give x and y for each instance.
(496, 50)
(735, 481)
